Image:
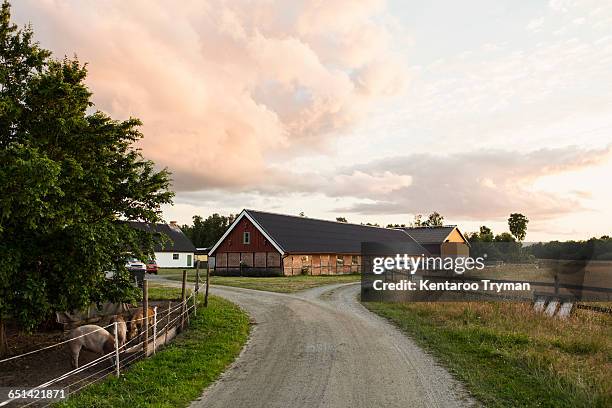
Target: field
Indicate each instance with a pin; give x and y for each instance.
(508, 355)
(283, 284)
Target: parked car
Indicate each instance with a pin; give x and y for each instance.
(133, 264)
(137, 269)
(152, 267)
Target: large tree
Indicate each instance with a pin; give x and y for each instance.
(517, 223)
(206, 232)
(69, 177)
(434, 220)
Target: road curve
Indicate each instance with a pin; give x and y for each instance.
(321, 348)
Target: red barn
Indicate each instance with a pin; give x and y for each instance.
(261, 244)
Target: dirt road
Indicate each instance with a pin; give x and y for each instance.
(321, 348)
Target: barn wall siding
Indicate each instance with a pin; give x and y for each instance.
(234, 241)
(321, 264)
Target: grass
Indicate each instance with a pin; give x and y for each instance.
(510, 356)
(179, 372)
(283, 284)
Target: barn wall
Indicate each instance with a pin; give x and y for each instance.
(321, 264)
(455, 236)
(233, 242)
(258, 258)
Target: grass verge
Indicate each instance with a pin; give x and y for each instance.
(509, 356)
(179, 372)
(283, 284)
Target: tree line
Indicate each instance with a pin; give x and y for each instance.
(205, 232)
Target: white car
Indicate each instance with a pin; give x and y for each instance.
(133, 264)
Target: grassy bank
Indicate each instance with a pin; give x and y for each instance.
(509, 356)
(283, 284)
(179, 372)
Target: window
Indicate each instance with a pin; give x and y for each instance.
(339, 260)
(175, 256)
(246, 237)
(355, 260)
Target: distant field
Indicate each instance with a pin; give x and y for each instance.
(283, 284)
(510, 356)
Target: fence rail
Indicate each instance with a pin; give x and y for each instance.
(165, 326)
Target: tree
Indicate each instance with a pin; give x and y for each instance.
(485, 234)
(68, 180)
(205, 233)
(517, 223)
(504, 237)
(434, 220)
(417, 222)
(341, 219)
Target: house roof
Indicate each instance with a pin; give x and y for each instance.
(430, 235)
(293, 234)
(178, 241)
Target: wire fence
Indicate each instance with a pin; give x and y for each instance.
(165, 324)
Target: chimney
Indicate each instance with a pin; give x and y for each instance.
(173, 224)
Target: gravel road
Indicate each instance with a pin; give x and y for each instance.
(321, 348)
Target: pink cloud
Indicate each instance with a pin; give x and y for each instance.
(223, 87)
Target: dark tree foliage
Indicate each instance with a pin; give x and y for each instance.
(205, 233)
(67, 176)
(434, 220)
(341, 219)
(594, 248)
(517, 224)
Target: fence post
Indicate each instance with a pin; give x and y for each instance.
(197, 282)
(154, 329)
(197, 291)
(116, 348)
(207, 279)
(145, 308)
(168, 322)
(183, 293)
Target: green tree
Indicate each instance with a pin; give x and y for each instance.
(517, 223)
(434, 220)
(417, 222)
(67, 180)
(341, 219)
(205, 233)
(485, 234)
(504, 237)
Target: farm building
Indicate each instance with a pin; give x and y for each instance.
(262, 243)
(440, 241)
(177, 251)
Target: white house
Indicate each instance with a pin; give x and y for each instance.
(177, 251)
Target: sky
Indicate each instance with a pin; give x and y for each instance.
(371, 110)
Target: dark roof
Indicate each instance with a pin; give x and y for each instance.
(429, 235)
(178, 241)
(308, 235)
(202, 251)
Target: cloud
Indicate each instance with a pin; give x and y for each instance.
(223, 87)
(484, 184)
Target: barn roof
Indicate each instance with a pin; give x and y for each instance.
(430, 235)
(293, 234)
(178, 241)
